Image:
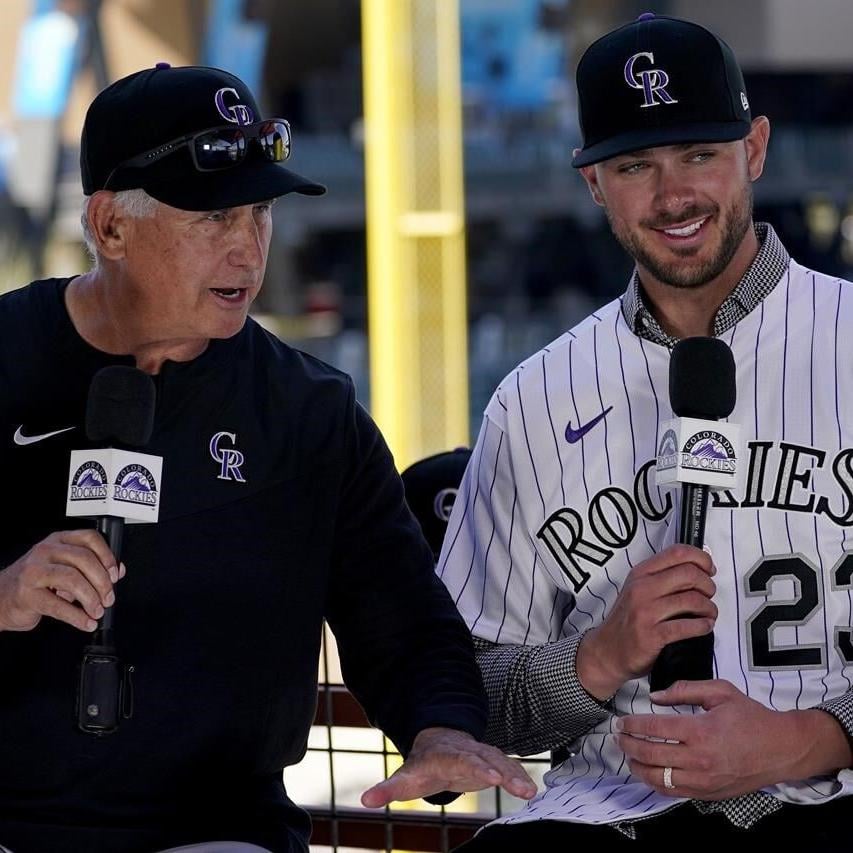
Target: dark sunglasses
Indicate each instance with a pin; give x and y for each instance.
(219, 147)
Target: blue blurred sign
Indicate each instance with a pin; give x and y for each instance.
(508, 59)
(46, 62)
(235, 43)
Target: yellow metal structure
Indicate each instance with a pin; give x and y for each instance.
(415, 225)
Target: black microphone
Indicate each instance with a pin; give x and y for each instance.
(119, 414)
(701, 386)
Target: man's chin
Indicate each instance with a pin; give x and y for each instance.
(686, 271)
(229, 329)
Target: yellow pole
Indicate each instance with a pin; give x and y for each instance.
(415, 225)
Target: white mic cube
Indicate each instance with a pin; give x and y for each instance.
(114, 482)
(707, 453)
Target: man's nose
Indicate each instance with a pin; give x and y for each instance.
(673, 190)
(249, 246)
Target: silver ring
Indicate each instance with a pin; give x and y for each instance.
(667, 778)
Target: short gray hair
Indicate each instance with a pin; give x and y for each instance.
(136, 204)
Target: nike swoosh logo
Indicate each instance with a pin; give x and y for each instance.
(22, 440)
(573, 435)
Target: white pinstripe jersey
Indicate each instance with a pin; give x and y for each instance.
(545, 529)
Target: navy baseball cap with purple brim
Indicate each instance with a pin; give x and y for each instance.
(148, 111)
(658, 81)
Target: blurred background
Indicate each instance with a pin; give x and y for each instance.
(537, 255)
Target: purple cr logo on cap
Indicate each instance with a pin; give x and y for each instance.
(237, 113)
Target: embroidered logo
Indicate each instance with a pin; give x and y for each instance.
(236, 113)
(443, 503)
(573, 435)
(652, 81)
(229, 458)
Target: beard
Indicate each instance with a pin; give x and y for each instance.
(684, 271)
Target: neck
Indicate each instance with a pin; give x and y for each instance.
(106, 322)
(689, 311)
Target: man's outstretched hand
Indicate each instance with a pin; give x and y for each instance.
(450, 760)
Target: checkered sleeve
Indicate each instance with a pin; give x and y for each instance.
(841, 707)
(536, 701)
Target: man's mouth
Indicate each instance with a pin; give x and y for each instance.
(685, 230)
(232, 294)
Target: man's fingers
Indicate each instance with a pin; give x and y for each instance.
(690, 603)
(522, 787)
(673, 630)
(651, 752)
(707, 694)
(93, 541)
(680, 579)
(511, 775)
(653, 776)
(677, 555)
(406, 785)
(689, 577)
(57, 577)
(67, 568)
(88, 564)
(661, 726)
(48, 604)
(381, 794)
(688, 784)
(463, 772)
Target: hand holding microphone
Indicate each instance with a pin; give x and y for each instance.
(698, 452)
(661, 623)
(113, 485)
(662, 620)
(68, 576)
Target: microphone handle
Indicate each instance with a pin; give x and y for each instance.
(104, 689)
(694, 508)
(112, 529)
(691, 659)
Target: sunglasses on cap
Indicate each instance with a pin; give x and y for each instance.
(219, 147)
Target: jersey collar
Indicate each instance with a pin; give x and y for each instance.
(763, 274)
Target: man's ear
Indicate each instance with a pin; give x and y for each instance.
(107, 224)
(756, 146)
(589, 174)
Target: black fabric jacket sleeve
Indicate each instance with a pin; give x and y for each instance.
(406, 654)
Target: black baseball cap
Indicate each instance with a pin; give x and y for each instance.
(658, 81)
(157, 105)
(431, 485)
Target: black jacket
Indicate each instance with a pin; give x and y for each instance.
(224, 599)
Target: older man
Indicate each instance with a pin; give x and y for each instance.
(221, 605)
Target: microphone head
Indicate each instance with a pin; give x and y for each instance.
(702, 379)
(120, 407)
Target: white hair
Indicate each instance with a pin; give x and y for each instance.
(136, 204)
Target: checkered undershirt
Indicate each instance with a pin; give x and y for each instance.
(518, 677)
(763, 275)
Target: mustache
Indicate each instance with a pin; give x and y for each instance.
(666, 220)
